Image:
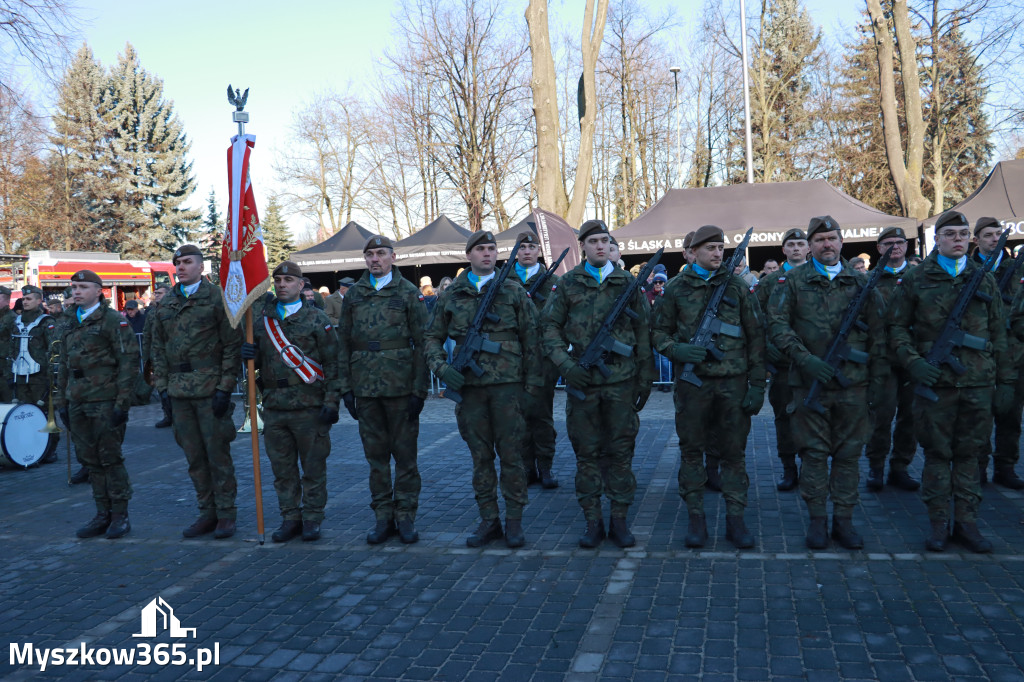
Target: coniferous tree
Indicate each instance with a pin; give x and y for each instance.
(211, 235)
(276, 237)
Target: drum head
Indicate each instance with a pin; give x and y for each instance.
(22, 442)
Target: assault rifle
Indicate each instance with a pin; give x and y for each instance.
(475, 340)
(839, 350)
(534, 291)
(603, 342)
(710, 326)
(952, 337)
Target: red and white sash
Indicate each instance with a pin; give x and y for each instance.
(292, 356)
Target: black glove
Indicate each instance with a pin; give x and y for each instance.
(249, 351)
(118, 417)
(350, 404)
(924, 372)
(415, 406)
(753, 400)
(816, 368)
(776, 356)
(577, 377)
(453, 378)
(328, 415)
(221, 403)
(641, 396)
(65, 416)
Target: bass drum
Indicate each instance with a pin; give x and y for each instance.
(22, 444)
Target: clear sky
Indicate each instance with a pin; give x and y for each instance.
(284, 52)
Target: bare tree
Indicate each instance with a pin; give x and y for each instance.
(37, 33)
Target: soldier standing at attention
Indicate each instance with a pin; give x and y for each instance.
(1007, 426)
(605, 423)
(196, 364)
(794, 247)
(897, 399)
(492, 414)
(539, 453)
(147, 350)
(383, 378)
(296, 352)
(805, 313)
(98, 366)
(955, 427)
(29, 371)
(732, 389)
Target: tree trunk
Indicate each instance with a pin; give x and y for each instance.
(550, 189)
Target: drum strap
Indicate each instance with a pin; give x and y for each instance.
(24, 364)
(292, 356)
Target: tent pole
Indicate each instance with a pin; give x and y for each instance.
(746, 91)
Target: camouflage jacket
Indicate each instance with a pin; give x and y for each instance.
(6, 329)
(332, 308)
(147, 333)
(675, 319)
(919, 310)
(313, 334)
(195, 351)
(575, 312)
(763, 291)
(99, 358)
(380, 339)
(889, 282)
(804, 314)
(516, 331)
(42, 335)
(545, 295)
(1005, 264)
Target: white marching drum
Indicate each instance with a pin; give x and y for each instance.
(22, 443)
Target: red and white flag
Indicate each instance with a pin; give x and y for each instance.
(243, 263)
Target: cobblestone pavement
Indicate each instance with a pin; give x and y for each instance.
(340, 609)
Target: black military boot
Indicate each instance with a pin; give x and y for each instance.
(736, 532)
(80, 476)
(98, 526)
(514, 536)
(384, 529)
(593, 535)
(876, 479)
(968, 535)
(489, 529)
(225, 529)
(200, 526)
(532, 475)
(845, 534)
(547, 481)
(618, 532)
(936, 541)
(790, 477)
(407, 532)
(817, 533)
(903, 481)
(1007, 477)
(119, 525)
(714, 481)
(310, 531)
(697, 533)
(290, 528)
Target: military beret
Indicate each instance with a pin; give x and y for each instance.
(688, 240)
(528, 237)
(593, 227)
(707, 233)
(794, 233)
(378, 242)
(4, 291)
(892, 233)
(612, 239)
(132, 305)
(29, 289)
(346, 282)
(987, 222)
(823, 223)
(87, 276)
(951, 219)
(186, 250)
(288, 268)
(481, 237)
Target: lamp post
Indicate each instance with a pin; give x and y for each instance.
(746, 91)
(679, 129)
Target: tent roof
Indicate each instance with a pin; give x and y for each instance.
(771, 208)
(1000, 196)
(341, 251)
(442, 241)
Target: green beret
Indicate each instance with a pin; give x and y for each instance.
(824, 223)
(87, 276)
(794, 233)
(288, 268)
(378, 241)
(481, 237)
(186, 250)
(527, 237)
(892, 233)
(4, 291)
(593, 227)
(987, 222)
(29, 289)
(951, 219)
(707, 233)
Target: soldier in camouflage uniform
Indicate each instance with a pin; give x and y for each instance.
(98, 366)
(605, 423)
(732, 389)
(6, 329)
(295, 350)
(491, 415)
(897, 398)
(794, 247)
(804, 315)
(539, 453)
(1007, 426)
(29, 351)
(953, 429)
(384, 384)
(147, 351)
(196, 364)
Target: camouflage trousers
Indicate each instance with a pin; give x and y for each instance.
(952, 432)
(539, 452)
(294, 438)
(840, 433)
(706, 414)
(6, 392)
(1007, 434)
(898, 402)
(491, 418)
(206, 440)
(602, 430)
(779, 396)
(98, 449)
(35, 392)
(387, 432)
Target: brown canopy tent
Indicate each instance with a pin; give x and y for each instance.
(1001, 196)
(555, 235)
(341, 251)
(442, 241)
(770, 208)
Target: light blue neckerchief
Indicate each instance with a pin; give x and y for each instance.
(704, 274)
(786, 267)
(953, 267)
(81, 316)
(524, 273)
(286, 309)
(894, 271)
(599, 274)
(379, 284)
(476, 281)
(829, 271)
